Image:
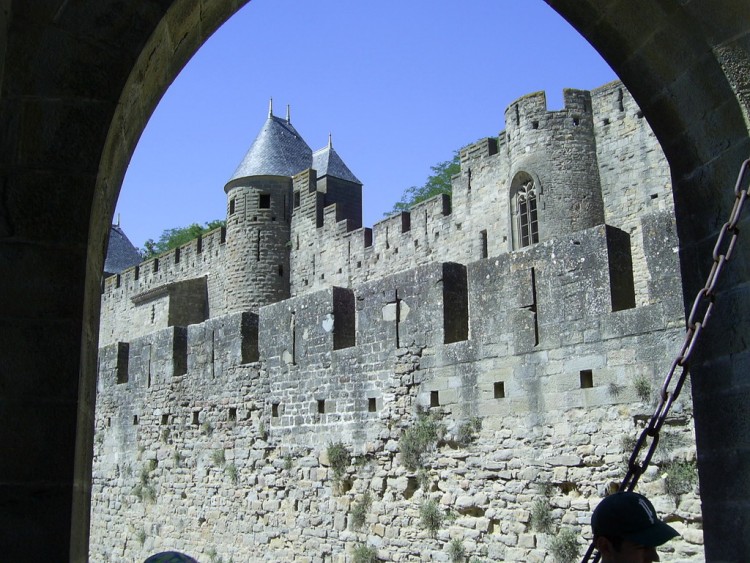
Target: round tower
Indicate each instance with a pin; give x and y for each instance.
(259, 206)
(554, 186)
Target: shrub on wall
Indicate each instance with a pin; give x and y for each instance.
(431, 516)
(364, 554)
(359, 512)
(217, 456)
(564, 546)
(541, 510)
(456, 551)
(679, 478)
(642, 386)
(339, 458)
(418, 439)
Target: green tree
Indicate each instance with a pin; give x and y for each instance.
(439, 182)
(172, 238)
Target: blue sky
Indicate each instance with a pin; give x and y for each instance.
(399, 84)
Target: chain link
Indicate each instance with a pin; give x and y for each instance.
(700, 313)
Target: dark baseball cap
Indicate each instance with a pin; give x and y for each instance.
(630, 516)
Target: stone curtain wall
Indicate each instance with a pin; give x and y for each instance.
(538, 406)
(123, 319)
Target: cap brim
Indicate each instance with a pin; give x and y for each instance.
(654, 535)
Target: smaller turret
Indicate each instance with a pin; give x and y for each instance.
(554, 177)
(259, 207)
(339, 184)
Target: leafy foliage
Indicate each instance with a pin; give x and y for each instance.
(541, 509)
(218, 457)
(231, 471)
(339, 458)
(439, 182)
(541, 515)
(364, 554)
(564, 546)
(456, 551)
(642, 386)
(680, 478)
(431, 516)
(172, 238)
(359, 512)
(416, 440)
(467, 431)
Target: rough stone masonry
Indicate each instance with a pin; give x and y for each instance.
(523, 324)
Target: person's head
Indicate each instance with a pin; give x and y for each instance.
(170, 557)
(627, 530)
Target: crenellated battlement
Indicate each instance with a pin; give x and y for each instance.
(172, 263)
(530, 112)
(573, 156)
(516, 302)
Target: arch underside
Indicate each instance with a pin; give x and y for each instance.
(79, 82)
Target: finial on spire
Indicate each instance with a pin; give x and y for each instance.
(118, 219)
(288, 114)
(270, 107)
(330, 141)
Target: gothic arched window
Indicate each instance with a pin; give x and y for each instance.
(524, 211)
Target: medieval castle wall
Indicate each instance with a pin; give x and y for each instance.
(230, 454)
(537, 365)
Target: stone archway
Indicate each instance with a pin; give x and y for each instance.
(79, 81)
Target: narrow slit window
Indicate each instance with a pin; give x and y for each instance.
(434, 398)
(196, 420)
(275, 410)
(164, 419)
(264, 201)
(232, 414)
(372, 404)
(499, 390)
(123, 351)
(321, 406)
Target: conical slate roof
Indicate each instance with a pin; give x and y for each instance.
(278, 150)
(327, 162)
(121, 254)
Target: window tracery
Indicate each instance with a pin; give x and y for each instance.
(526, 214)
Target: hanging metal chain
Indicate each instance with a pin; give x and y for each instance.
(700, 313)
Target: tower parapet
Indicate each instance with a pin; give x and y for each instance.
(554, 176)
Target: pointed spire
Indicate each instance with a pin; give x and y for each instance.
(330, 141)
(270, 107)
(288, 114)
